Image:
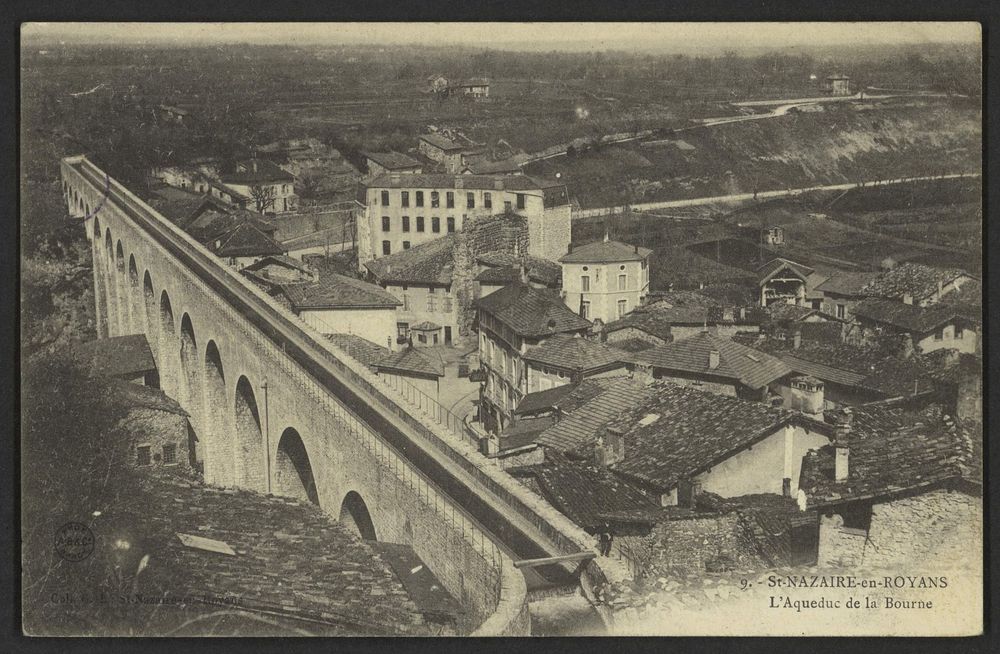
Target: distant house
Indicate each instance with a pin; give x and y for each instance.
(897, 487)
(473, 88)
(837, 85)
(605, 280)
(380, 163)
(421, 371)
(329, 302)
(271, 188)
(510, 321)
(659, 323)
(239, 237)
(448, 152)
(927, 328)
(173, 114)
(683, 441)
(783, 281)
(841, 291)
(498, 269)
(127, 358)
(774, 235)
(716, 364)
(160, 435)
(564, 359)
(914, 283)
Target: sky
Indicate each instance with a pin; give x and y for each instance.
(662, 37)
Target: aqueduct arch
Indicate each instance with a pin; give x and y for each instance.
(135, 300)
(121, 292)
(191, 375)
(217, 426)
(152, 320)
(169, 348)
(293, 474)
(249, 438)
(110, 285)
(355, 517)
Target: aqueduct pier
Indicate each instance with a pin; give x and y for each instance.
(278, 409)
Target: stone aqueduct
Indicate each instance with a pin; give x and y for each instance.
(275, 408)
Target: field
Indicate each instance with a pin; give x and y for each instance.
(844, 143)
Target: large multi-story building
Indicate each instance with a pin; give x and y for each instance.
(401, 211)
(605, 280)
(511, 320)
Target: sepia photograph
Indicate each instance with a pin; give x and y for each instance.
(501, 329)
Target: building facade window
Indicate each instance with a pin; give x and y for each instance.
(585, 310)
(450, 199)
(520, 201)
(451, 224)
(430, 303)
(420, 223)
(507, 206)
(470, 200)
(584, 283)
(435, 199)
(446, 304)
(385, 198)
(622, 282)
(386, 223)
(488, 200)
(841, 311)
(622, 307)
(402, 328)
(959, 331)
(143, 455)
(404, 198)
(386, 247)
(435, 224)
(169, 454)
(406, 304)
(939, 335)
(406, 223)
(406, 245)
(420, 198)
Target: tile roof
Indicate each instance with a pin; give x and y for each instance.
(748, 366)
(427, 263)
(581, 425)
(914, 279)
(543, 400)
(605, 252)
(779, 311)
(333, 291)
(524, 432)
(441, 142)
(393, 160)
(507, 166)
(575, 354)
(893, 451)
(245, 240)
(772, 267)
(425, 326)
(693, 431)
(846, 283)
(583, 492)
(682, 299)
(530, 311)
(359, 348)
(504, 267)
(292, 560)
(908, 317)
(256, 171)
(460, 182)
(118, 356)
(411, 360)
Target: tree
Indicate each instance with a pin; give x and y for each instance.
(263, 197)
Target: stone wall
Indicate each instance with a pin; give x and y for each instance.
(940, 528)
(156, 429)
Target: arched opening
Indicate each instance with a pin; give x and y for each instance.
(191, 397)
(97, 230)
(217, 433)
(293, 475)
(135, 301)
(168, 348)
(110, 286)
(100, 283)
(152, 323)
(121, 291)
(249, 436)
(355, 516)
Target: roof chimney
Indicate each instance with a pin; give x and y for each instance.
(841, 448)
(459, 182)
(797, 339)
(570, 250)
(395, 178)
(607, 236)
(713, 359)
(523, 272)
(637, 249)
(497, 184)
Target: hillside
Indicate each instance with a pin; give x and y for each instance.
(841, 143)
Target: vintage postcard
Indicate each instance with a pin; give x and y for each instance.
(501, 329)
